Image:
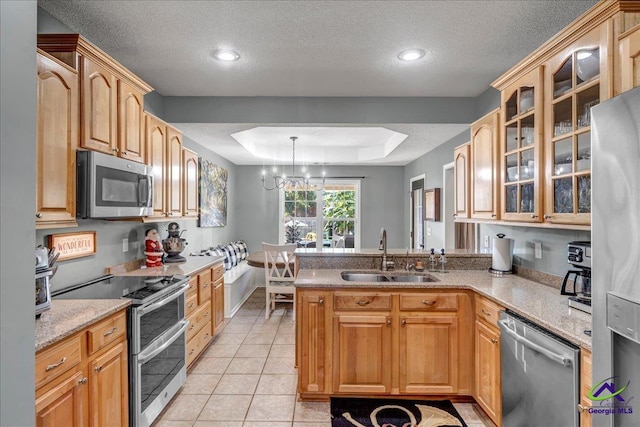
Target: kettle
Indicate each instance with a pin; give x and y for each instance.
(579, 286)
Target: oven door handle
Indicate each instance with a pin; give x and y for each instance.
(150, 353)
(166, 300)
(561, 359)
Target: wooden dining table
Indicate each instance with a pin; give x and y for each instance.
(256, 259)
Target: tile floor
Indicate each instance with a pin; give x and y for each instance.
(246, 378)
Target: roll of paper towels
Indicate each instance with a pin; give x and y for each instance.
(502, 253)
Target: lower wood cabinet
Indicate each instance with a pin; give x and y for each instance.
(585, 388)
(372, 342)
(488, 383)
(204, 309)
(79, 383)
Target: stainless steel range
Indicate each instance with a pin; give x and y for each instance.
(156, 333)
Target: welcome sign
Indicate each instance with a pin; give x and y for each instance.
(73, 245)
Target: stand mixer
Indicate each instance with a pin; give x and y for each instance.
(174, 244)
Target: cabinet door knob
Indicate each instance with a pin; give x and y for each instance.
(115, 150)
(581, 408)
(454, 215)
(83, 380)
(321, 301)
(494, 341)
(547, 216)
(38, 214)
(534, 216)
(388, 321)
(404, 322)
(494, 215)
(124, 153)
(98, 369)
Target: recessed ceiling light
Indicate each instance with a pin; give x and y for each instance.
(226, 55)
(411, 54)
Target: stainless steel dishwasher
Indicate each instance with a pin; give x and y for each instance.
(540, 375)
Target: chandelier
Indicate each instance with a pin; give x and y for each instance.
(280, 182)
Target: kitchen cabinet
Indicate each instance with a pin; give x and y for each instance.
(83, 379)
(629, 49)
(375, 342)
(576, 79)
(585, 388)
(164, 148)
(487, 391)
(485, 167)
(461, 181)
(111, 97)
(204, 309)
(521, 167)
(190, 202)
(57, 139)
(312, 346)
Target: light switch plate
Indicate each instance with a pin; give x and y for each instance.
(428, 231)
(125, 245)
(538, 250)
(486, 241)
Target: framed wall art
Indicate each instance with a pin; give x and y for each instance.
(213, 194)
(73, 245)
(432, 204)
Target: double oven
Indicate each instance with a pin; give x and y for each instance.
(157, 337)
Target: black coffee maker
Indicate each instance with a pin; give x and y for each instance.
(577, 283)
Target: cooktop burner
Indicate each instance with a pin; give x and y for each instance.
(138, 289)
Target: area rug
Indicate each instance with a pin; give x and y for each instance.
(364, 412)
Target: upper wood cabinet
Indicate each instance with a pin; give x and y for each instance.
(629, 49)
(131, 142)
(156, 140)
(57, 139)
(461, 180)
(485, 167)
(190, 201)
(173, 172)
(111, 97)
(521, 168)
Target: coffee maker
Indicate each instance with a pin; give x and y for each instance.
(577, 283)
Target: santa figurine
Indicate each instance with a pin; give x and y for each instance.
(153, 249)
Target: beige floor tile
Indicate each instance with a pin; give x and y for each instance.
(200, 383)
(267, 424)
(243, 319)
(226, 407)
(238, 328)
(270, 321)
(253, 350)
(226, 339)
(211, 365)
(249, 311)
(169, 423)
(287, 328)
(218, 424)
(312, 411)
(246, 365)
(285, 339)
(264, 329)
(271, 408)
(283, 350)
(237, 384)
(277, 384)
(185, 407)
(259, 339)
(222, 350)
(280, 365)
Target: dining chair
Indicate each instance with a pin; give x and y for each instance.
(337, 241)
(279, 275)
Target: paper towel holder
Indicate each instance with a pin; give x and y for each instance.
(501, 272)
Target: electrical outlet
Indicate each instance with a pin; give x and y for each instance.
(428, 231)
(486, 241)
(125, 245)
(538, 250)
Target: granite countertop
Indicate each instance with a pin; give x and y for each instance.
(69, 316)
(541, 304)
(187, 268)
(368, 252)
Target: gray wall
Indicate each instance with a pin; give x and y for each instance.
(109, 234)
(47, 24)
(381, 201)
(487, 101)
(154, 103)
(17, 208)
(554, 245)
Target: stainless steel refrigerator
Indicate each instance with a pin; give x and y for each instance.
(615, 241)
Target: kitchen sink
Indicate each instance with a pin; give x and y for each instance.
(386, 277)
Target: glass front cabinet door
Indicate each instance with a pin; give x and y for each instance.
(575, 81)
(520, 149)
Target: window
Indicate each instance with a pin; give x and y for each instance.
(326, 212)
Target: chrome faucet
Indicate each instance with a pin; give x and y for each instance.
(383, 247)
(408, 266)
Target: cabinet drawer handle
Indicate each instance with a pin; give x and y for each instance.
(115, 150)
(206, 314)
(124, 153)
(83, 380)
(192, 326)
(582, 408)
(321, 301)
(55, 365)
(191, 352)
(485, 312)
(454, 215)
(38, 214)
(191, 305)
(428, 302)
(388, 322)
(494, 216)
(494, 341)
(361, 303)
(98, 369)
(106, 334)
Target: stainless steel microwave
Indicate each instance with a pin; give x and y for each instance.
(111, 187)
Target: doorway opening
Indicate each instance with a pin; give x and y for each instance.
(448, 206)
(416, 212)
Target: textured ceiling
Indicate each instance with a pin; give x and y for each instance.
(318, 48)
